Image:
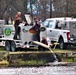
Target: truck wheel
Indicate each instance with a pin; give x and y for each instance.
(62, 44)
(13, 46)
(7, 45)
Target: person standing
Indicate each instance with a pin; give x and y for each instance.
(36, 36)
(18, 20)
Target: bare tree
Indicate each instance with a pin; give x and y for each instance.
(11, 7)
(41, 8)
(64, 7)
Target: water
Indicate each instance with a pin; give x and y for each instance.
(49, 42)
(48, 70)
(56, 60)
(48, 47)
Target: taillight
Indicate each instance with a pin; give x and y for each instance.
(68, 35)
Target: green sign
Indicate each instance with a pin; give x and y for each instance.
(7, 31)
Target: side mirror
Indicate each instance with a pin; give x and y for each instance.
(42, 29)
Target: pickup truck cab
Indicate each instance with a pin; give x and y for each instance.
(51, 28)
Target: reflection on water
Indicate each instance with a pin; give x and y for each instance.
(48, 70)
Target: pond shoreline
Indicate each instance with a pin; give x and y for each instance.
(44, 65)
(36, 59)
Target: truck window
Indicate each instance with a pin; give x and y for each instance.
(51, 23)
(58, 25)
(72, 25)
(64, 25)
(46, 22)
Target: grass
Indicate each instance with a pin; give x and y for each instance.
(2, 49)
(70, 60)
(63, 51)
(33, 61)
(4, 62)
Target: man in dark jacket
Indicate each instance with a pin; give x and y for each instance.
(36, 36)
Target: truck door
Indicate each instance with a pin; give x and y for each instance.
(53, 32)
(50, 29)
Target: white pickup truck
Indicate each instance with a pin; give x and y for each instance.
(60, 30)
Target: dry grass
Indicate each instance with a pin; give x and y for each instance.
(4, 62)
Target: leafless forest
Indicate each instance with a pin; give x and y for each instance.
(41, 8)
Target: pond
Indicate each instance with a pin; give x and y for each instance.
(47, 70)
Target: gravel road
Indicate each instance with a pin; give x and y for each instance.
(48, 70)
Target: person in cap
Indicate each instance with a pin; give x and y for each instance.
(36, 36)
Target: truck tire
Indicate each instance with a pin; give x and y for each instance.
(13, 46)
(62, 45)
(7, 45)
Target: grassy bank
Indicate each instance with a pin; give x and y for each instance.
(35, 58)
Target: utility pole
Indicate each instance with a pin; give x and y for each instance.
(25, 6)
(0, 10)
(66, 10)
(31, 8)
(50, 8)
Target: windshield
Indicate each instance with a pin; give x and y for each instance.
(48, 23)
